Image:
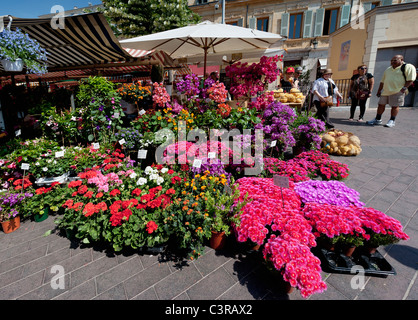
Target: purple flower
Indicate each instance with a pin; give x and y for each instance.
(328, 192)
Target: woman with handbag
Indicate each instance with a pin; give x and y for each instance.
(323, 91)
(361, 87)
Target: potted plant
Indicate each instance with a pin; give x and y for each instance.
(307, 130)
(9, 206)
(18, 49)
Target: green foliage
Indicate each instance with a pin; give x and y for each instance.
(99, 110)
(141, 17)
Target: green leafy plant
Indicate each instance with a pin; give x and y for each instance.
(99, 109)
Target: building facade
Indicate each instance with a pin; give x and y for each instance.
(306, 25)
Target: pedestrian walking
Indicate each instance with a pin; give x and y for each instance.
(361, 87)
(393, 88)
(324, 91)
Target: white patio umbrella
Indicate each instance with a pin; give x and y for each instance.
(203, 38)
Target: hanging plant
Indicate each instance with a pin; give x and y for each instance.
(15, 45)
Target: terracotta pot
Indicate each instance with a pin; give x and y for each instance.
(217, 241)
(349, 250)
(11, 225)
(370, 250)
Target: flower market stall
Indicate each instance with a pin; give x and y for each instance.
(189, 168)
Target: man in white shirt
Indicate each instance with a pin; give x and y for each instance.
(393, 88)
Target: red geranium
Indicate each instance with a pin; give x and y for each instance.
(151, 227)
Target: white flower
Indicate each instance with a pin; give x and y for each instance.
(45, 169)
(148, 170)
(153, 176)
(164, 170)
(141, 181)
(160, 180)
(133, 175)
(73, 118)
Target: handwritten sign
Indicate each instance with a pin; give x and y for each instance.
(211, 155)
(273, 143)
(141, 112)
(59, 154)
(197, 163)
(122, 141)
(96, 145)
(228, 190)
(18, 132)
(281, 181)
(25, 166)
(142, 154)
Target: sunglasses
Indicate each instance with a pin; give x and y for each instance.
(363, 68)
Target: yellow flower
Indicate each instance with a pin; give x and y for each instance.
(203, 187)
(159, 118)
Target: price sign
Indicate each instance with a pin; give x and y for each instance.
(141, 112)
(273, 143)
(18, 132)
(281, 181)
(25, 166)
(116, 114)
(96, 145)
(59, 154)
(142, 154)
(197, 163)
(228, 190)
(211, 155)
(122, 141)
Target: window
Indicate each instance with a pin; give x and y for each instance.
(263, 24)
(232, 23)
(295, 26)
(374, 5)
(330, 21)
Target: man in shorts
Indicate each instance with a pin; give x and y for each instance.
(394, 84)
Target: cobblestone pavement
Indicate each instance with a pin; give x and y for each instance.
(385, 174)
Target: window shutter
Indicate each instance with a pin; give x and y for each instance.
(319, 22)
(284, 26)
(386, 2)
(345, 15)
(252, 23)
(307, 24)
(367, 6)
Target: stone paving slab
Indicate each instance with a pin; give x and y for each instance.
(385, 174)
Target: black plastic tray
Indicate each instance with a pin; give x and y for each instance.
(371, 264)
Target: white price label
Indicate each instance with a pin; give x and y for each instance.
(197, 163)
(142, 154)
(273, 143)
(25, 166)
(96, 145)
(59, 154)
(142, 111)
(211, 155)
(116, 115)
(122, 141)
(18, 132)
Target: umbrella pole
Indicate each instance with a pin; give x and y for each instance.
(204, 65)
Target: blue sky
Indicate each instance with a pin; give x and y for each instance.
(34, 8)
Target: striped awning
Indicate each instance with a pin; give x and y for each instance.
(86, 43)
(86, 46)
(87, 39)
